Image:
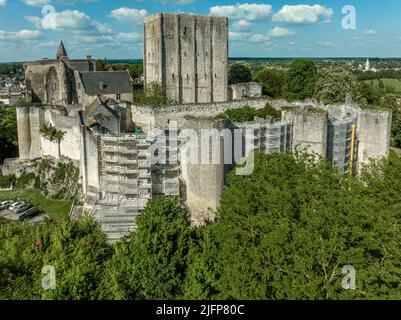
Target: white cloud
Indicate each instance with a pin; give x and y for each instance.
(246, 11)
(325, 43)
(133, 16)
(303, 14)
(180, 2)
(36, 21)
(243, 25)
(128, 37)
(239, 36)
(23, 34)
(278, 32)
(3, 2)
(259, 38)
(37, 3)
(72, 20)
(370, 32)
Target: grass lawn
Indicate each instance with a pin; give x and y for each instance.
(55, 209)
(387, 82)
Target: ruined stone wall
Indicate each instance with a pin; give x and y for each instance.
(189, 55)
(47, 82)
(245, 90)
(69, 146)
(203, 183)
(309, 130)
(150, 117)
(89, 165)
(374, 131)
(32, 145)
(24, 133)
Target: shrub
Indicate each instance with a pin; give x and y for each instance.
(7, 181)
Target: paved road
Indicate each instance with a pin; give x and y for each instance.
(10, 215)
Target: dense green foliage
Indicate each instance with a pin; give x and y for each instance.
(272, 82)
(285, 232)
(8, 133)
(153, 95)
(77, 250)
(239, 73)
(335, 84)
(390, 102)
(381, 74)
(247, 113)
(135, 70)
(151, 263)
(10, 69)
(101, 64)
(301, 80)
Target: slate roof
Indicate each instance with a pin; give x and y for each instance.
(113, 82)
(99, 101)
(61, 52)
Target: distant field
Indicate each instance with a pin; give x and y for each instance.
(55, 209)
(395, 83)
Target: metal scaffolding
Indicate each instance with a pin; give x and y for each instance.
(268, 137)
(342, 144)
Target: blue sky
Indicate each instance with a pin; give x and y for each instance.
(275, 28)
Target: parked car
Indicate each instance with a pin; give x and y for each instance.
(22, 209)
(29, 214)
(5, 204)
(15, 205)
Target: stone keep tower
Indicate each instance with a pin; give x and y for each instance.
(188, 54)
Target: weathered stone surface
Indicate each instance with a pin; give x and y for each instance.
(189, 55)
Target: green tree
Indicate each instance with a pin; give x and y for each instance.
(101, 64)
(78, 251)
(381, 84)
(239, 72)
(154, 95)
(390, 102)
(135, 70)
(272, 82)
(335, 84)
(8, 133)
(287, 231)
(151, 263)
(51, 133)
(369, 93)
(301, 80)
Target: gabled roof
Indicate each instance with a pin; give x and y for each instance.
(111, 82)
(99, 101)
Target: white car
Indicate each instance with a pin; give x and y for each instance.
(5, 204)
(15, 206)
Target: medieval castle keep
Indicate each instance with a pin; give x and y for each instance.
(115, 143)
(189, 54)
